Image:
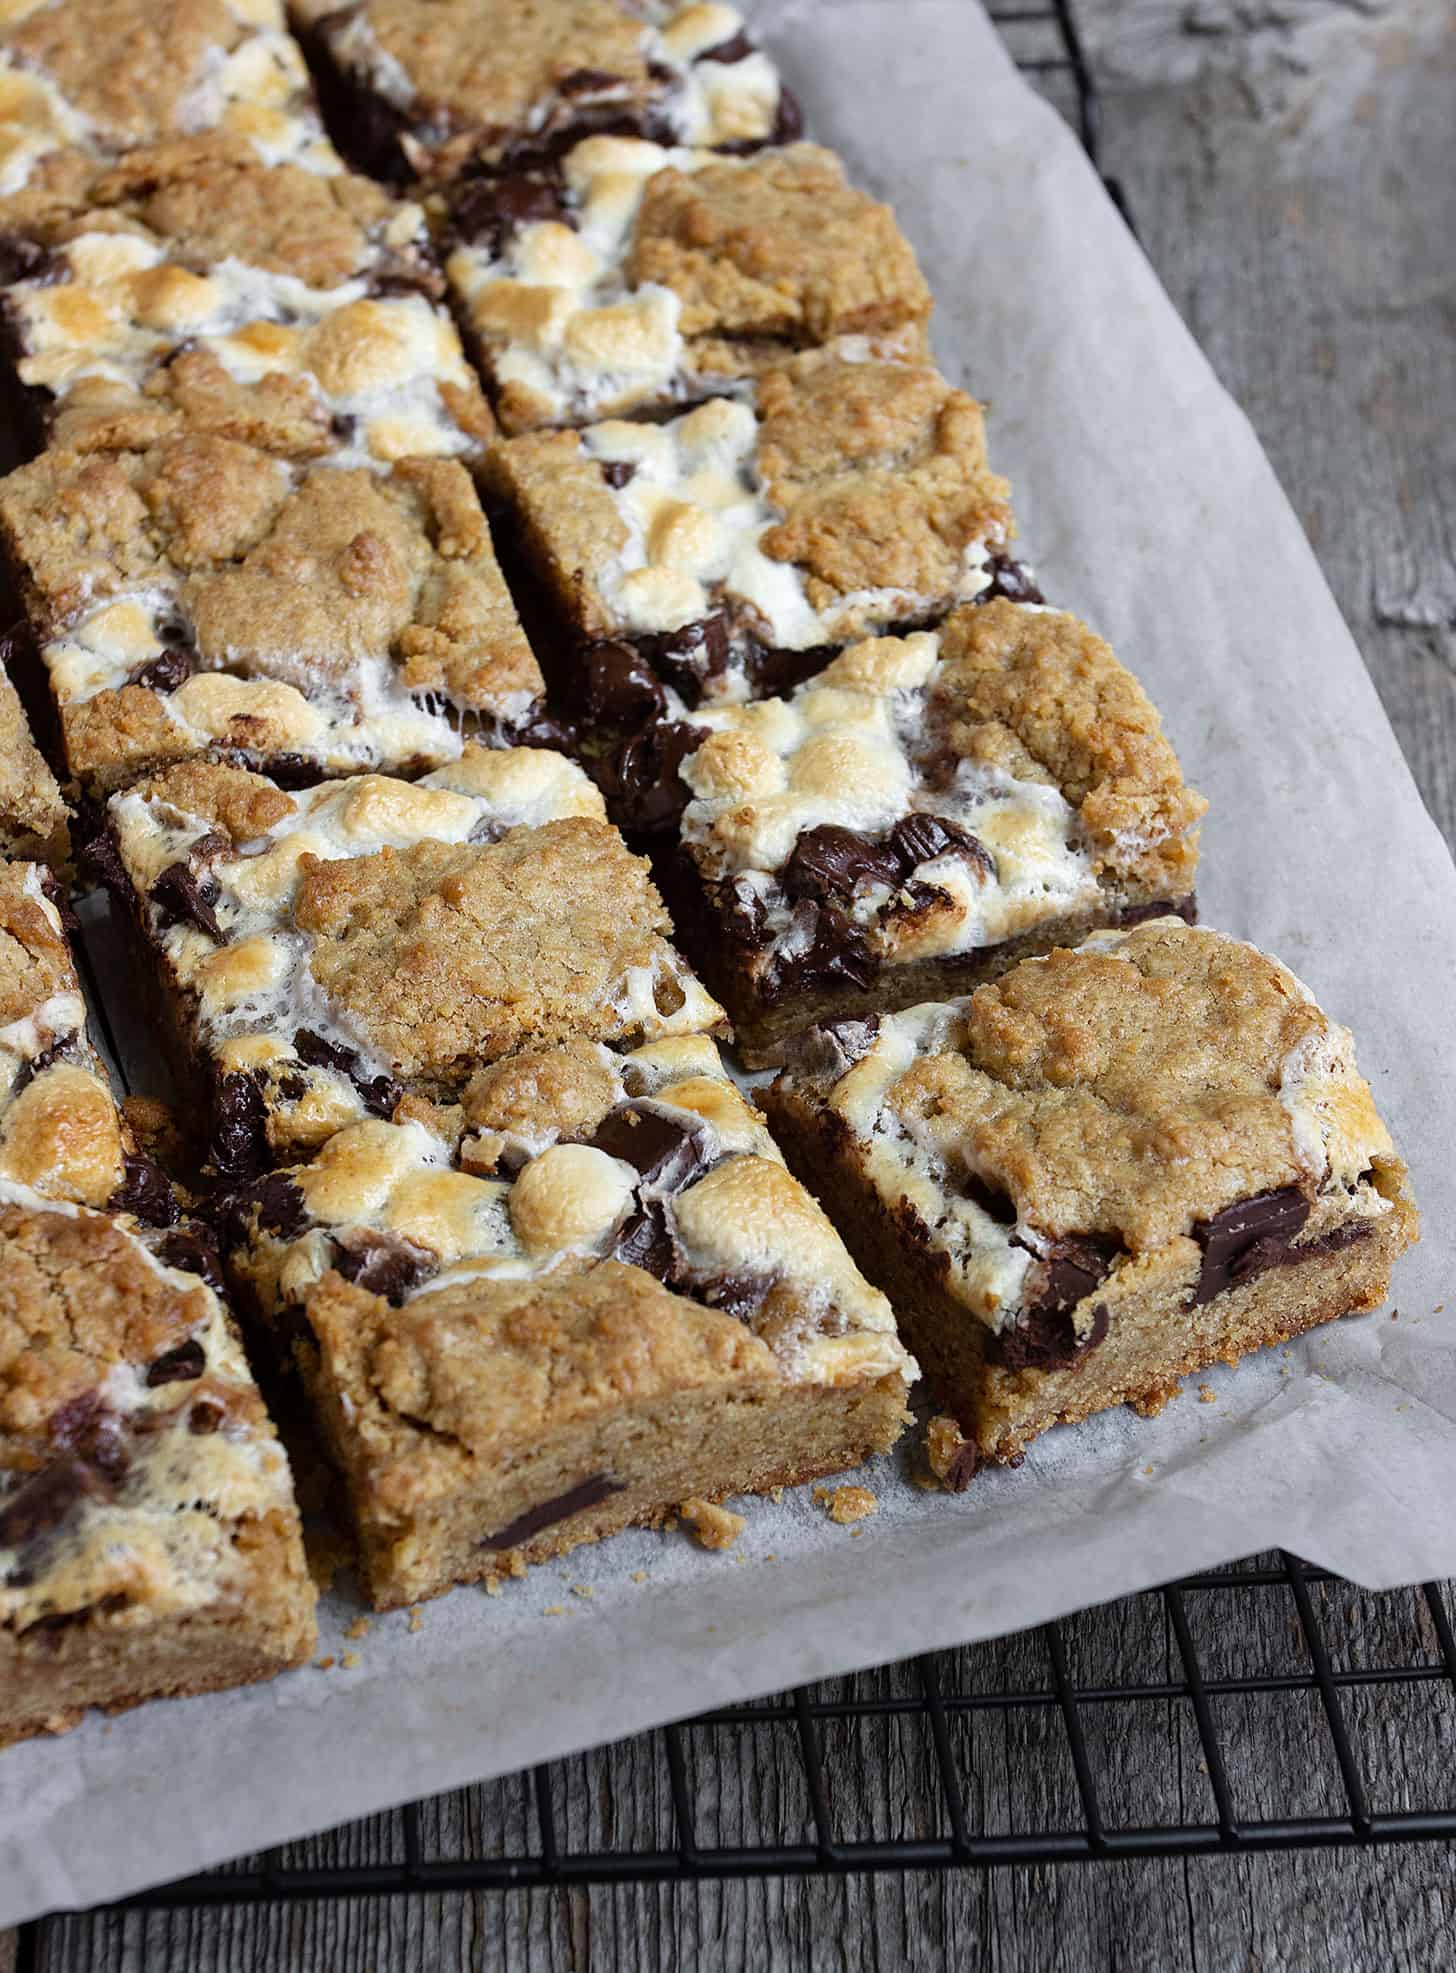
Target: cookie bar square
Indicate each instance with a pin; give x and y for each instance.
(621, 276)
(203, 596)
(193, 286)
(431, 88)
(921, 814)
(727, 551)
(34, 820)
(104, 76)
(1111, 1167)
(324, 953)
(149, 1540)
(585, 1293)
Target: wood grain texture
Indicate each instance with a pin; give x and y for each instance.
(1292, 168)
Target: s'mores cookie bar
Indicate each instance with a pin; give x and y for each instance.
(726, 551)
(324, 954)
(430, 88)
(192, 286)
(34, 820)
(104, 76)
(149, 1540)
(201, 596)
(917, 817)
(1108, 1168)
(620, 276)
(587, 1292)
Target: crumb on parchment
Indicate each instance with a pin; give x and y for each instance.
(1207, 1394)
(416, 1621)
(715, 1527)
(359, 1628)
(951, 1454)
(846, 1504)
(350, 1660)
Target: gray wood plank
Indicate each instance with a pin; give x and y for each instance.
(1293, 173)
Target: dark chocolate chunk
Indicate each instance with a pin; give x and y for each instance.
(617, 473)
(640, 780)
(1185, 908)
(271, 1204)
(179, 1366)
(189, 1248)
(667, 1151)
(614, 685)
(486, 211)
(744, 912)
(962, 1467)
(772, 670)
(833, 1047)
(164, 673)
(736, 49)
(44, 1501)
(828, 951)
(292, 770)
(741, 1295)
(240, 1127)
(38, 1064)
(25, 259)
(379, 1094)
(828, 861)
(1045, 1339)
(590, 1492)
(382, 1263)
(87, 1428)
(1069, 1271)
(645, 1242)
(184, 898)
(789, 119)
(588, 82)
(1012, 580)
(1267, 1222)
(921, 837)
(145, 1192)
(689, 657)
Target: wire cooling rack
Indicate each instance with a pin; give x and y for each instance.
(1222, 1714)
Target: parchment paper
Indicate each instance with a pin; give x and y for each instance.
(1148, 506)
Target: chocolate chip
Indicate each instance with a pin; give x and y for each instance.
(736, 49)
(668, 1152)
(1185, 908)
(640, 780)
(164, 673)
(618, 472)
(1012, 580)
(379, 1094)
(184, 898)
(741, 1295)
(146, 1193)
(645, 1242)
(829, 860)
(44, 1501)
(205, 1417)
(586, 1493)
(382, 1263)
(922, 837)
(614, 685)
(179, 1366)
(192, 1251)
(1247, 1237)
(240, 1127)
(826, 951)
(486, 211)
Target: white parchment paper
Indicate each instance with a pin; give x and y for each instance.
(1148, 506)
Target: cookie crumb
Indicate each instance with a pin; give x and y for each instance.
(846, 1504)
(715, 1527)
(639, 1575)
(359, 1628)
(349, 1660)
(416, 1621)
(1147, 1472)
(554, 1610)
(951, 1454)
(323, 1664)
(1207, 1394)
(775, 1494)
(584, 1590)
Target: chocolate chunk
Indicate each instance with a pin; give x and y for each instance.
(741, 1295)
(789, 120)
(744, 912)
(486, 211)
(145, 1192)
(588, 82)
(828, 861)
(292, 770)
(771, 670)
(44, 1501)
(827, 951)
(165, 672)
(618, 473)
(614, 685)
(205, 1417)
(1012, 580)
(640, 780)
(645, 1242)
(24, 259)
(590, 1492)
(240, 1127)
(1069, 1271)
(184, 898)
(689, 657)
(271, 1204)
(89, 1430)
(382, 1263)
(667, 1151)
(1045, 1339)
(833, 1047)
(179, 1366)
(922, 837)
(379, 1094)
(736, 49)
(1246, 1238)
(536, 728)
(1185, 908)
(961, 1467)
(190, 1249)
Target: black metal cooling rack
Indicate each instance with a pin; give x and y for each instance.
(1232, 1735)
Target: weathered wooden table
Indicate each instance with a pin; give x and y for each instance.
(1292, 168)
